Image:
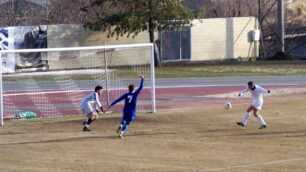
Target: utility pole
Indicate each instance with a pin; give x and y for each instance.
(259, 11)
(258, 21)
(280, 24)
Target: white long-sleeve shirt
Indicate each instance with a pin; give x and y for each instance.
(257, 93)
(92, 98)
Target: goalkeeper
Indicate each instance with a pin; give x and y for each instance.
(89, 102)
(130, 104)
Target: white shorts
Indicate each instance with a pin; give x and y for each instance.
(86, 108)
(257, 104)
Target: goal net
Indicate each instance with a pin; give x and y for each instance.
(57, 87)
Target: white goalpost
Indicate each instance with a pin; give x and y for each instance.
(68, 74)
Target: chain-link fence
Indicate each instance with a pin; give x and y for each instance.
(294, 29)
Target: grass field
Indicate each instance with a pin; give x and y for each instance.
(285, 68)
(200, 138)
(191, 70)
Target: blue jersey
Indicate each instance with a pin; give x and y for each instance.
(130, 99)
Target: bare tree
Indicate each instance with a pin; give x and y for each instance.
(20, 12)
(225, 8)
(26, 12)
(295, 29)
(66, 11)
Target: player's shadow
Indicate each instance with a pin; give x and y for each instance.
(275, 134)
(12, 133)
(210, 133)
(221, 133)
(85, 138)
(59, 140)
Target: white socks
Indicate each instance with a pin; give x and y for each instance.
(245, 118)
(260, 120)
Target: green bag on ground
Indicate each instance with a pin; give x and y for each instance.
(22, 115)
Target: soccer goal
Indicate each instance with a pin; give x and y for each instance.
(57, 87)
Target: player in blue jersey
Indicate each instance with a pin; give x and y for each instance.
(129, 110)
(91, 107)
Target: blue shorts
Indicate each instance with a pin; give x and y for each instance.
(128, 116)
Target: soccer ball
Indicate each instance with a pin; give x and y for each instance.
(227, 105)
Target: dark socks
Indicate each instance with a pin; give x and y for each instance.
(89, 121)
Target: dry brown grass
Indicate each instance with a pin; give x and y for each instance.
(189, 139)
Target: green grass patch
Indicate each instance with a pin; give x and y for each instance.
(190, 70)
(236, 69)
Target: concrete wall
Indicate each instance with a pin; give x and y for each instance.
(70, 35)
(222, 38)
(211, 39)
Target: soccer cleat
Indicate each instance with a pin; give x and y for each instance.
(262, 127)
(119, 130)
(86, 129)
(240, 124)
(121, 135)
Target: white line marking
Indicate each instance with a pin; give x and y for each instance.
(56, 91)
(163, 87)
(42, 92)
(255, 164)
(222, 85)
(62, 72)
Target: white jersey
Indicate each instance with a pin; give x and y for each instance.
(92, 98)
(257, 95)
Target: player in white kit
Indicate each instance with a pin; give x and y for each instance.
(257, 94)
(91, 107)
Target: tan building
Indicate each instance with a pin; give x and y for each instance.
(208, 39)
(213, 39)
(72, 35)
(223, 38)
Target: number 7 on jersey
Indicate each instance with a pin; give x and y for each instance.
(130, 97)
